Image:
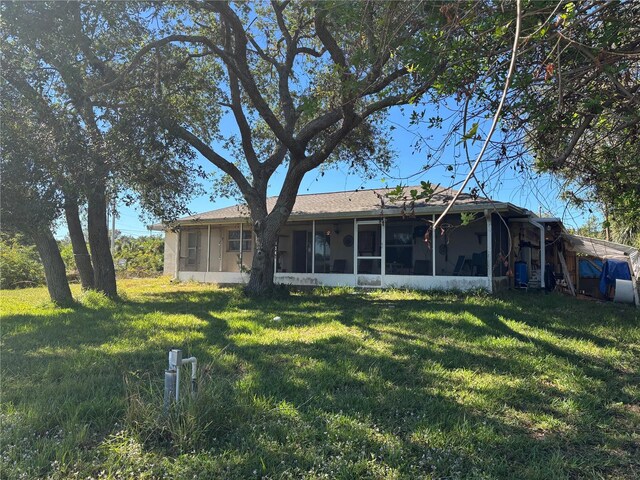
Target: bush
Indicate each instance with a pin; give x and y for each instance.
(139, 256)
(66, 252)
(19, 263)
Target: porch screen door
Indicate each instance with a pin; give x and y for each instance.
(368, 252)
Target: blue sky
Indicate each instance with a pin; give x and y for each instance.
(540, 193)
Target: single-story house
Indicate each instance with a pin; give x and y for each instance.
(361, 239)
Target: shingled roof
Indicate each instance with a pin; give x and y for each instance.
(363, 203)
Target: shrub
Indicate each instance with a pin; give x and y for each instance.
(66, 251)
(139, 256)
(19, 263)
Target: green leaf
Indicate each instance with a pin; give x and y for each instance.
(471, 133)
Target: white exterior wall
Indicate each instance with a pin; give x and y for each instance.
(213, 248)
(170, 252)
(347, 280)
(214, 277)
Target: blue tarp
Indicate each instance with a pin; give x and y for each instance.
(588, 268)
(611, 270)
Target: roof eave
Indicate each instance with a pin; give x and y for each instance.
(385, 212)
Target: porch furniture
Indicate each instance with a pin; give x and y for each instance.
(479, 264)
(393, 267)
(459, 264)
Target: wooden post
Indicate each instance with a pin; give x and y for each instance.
(565, 272)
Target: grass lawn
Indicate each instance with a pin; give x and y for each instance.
(349, 384)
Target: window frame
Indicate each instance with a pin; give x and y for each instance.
(247, 240)
(192, 259)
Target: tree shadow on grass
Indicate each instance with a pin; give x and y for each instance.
(399, 381)
(386, 392)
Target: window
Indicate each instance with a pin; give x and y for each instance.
(234, 241)
(192, 248)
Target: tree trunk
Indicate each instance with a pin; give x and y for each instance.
(266, 227)
(103, 270)
(54, 270)
(262, 266)
(78, 243)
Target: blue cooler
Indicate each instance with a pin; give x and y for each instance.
(521, 275)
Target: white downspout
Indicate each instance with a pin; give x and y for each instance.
(489, 218)
(543, 253)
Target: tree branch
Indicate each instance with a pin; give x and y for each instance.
(241, 120)
(239, 60)
(577, 134)
(285, 70)
(338, 57)
(138, 57)
(309, 51)
(211, 155)
(27, 91)
(243, 125)
(275, 159)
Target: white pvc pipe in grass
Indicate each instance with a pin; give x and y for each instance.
(175, 362)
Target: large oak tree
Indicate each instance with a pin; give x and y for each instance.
(58, 58)
(306, 84)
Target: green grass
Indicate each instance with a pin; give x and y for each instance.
(349, 384)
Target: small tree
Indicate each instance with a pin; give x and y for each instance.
(41, 55)
(139, 256)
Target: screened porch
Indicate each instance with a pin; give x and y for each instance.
(365, 252)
